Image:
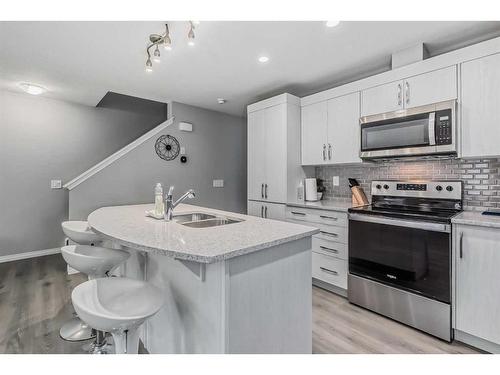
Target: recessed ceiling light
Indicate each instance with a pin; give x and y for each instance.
(221, 100)
(263, 59)
(32, 89)
(332, 23)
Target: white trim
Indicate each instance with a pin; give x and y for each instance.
(117, 155)
(29, 254)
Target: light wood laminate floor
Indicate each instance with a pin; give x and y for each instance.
(35, 300)
(340, 327)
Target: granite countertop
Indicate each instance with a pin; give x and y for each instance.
(476, 218)
(338, 204)
(128, 226)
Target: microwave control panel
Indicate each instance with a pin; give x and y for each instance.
(443, 127)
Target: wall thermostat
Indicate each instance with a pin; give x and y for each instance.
(185, 126)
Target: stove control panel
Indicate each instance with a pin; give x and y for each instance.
(419, 189)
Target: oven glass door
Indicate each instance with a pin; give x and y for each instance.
(413, 259)
(404, 132)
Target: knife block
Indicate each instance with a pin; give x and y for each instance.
(358, 196)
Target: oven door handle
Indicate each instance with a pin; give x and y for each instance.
(433, 227)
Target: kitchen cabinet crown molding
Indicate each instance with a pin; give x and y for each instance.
(275, 100)
(455, 57)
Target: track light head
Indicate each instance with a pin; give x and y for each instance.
(191, 34)
(149, 65)
(156, 55)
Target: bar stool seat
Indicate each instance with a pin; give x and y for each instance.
(93, 261)
(80, 232)
(119, 306)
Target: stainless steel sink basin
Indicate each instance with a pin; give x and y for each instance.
(203, 220)
(196, 216)
(218, 221)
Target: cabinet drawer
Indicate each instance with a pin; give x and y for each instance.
(329, 269)
(334, 249)
(331, 233)
(335, 218)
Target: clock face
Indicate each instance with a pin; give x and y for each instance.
(167, 147)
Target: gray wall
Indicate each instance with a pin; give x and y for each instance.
(481, 177)
(43, 139)
(216, 149)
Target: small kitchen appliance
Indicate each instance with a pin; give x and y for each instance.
(400, 252)
(311, 189)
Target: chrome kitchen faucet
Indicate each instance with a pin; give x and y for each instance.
(170, 204)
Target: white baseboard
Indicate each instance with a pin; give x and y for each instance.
(29, 254)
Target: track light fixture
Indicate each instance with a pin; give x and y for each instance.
(165, 40)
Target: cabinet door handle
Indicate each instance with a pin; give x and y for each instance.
(262, 191)
(407, 94)
(265, 212)
(328, 233)
(400, 93)
(265, 191)
(328, 249)
(461, 245)
(328, 217)
(328, 271)
(329, 151)
(297, 213)
(324, 152)
(261, 211)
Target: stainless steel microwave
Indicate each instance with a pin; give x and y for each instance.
(419, 131)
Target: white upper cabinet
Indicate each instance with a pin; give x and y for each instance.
(314, 133)
(383, 98)
(432, 87)
(480, 109)
(256, 154)
(330, 131)
(344, 129)
(427, 88)
(274, 149)
(275, 153)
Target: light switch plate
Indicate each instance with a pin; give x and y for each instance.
(55, 184)
(218, 183)
(183, 150)
(336, 181)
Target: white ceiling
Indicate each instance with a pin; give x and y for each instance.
(81, 61)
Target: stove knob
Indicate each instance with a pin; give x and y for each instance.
(439, 188)
(449, 188)
(378, 186)
(386, 187)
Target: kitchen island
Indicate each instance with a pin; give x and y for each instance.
(240, 287)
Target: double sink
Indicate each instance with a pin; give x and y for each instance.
(203, 220)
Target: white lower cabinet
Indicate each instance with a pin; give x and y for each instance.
(266, 210)
(329, 246)
(477, 282)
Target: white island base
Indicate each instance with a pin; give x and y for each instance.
(259, 302)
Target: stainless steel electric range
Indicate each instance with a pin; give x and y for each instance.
(400, 252)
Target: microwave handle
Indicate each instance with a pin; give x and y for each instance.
(432, 133)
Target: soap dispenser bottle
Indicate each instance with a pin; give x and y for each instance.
(159, 205)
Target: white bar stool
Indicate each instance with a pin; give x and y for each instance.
(95, 262)
(117, 305)
(79, 232)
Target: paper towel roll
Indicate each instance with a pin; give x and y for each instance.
(311, 189)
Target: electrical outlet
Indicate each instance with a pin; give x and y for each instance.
(55, 184)
(336, 181)
(218, 183)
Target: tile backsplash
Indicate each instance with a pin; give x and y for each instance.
(481, 177)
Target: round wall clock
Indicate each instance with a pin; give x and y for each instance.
(167, 147)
